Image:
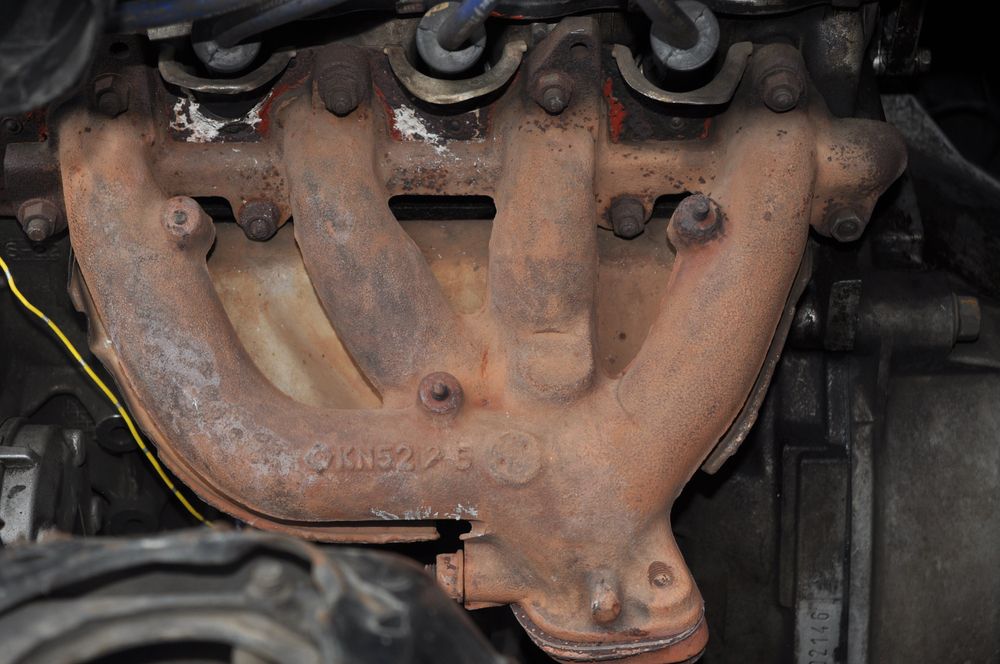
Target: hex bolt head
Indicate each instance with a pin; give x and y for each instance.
(628, 217)
(781, 90)
(846, 226)
(111, 95)
(39, 218)
(259, 220)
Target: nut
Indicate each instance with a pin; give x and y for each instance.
(553, 91)
(39, 218)
(696, 220)
(779, 76)
(846, 225)
(111, 95)
(259, 220)
(628, 217)
(781, 90)
(342, 80)
(440, 393)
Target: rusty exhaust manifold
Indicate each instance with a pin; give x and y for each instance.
(566, 474)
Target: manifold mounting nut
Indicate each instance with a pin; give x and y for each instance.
(779, 76)
(258, 219)
(846, 225)
(40, 219)
(628, 216)
(696, 220)
(552, 90)
(342, 78)
(440, 393)
(111, 95)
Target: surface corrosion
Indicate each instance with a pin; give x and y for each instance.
(566, 471)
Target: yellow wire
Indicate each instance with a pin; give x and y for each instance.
(107, 392)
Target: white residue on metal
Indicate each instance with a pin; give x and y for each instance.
(385, 516)
(413, 128)
(463, 511)
(203, 128)
(418, 514)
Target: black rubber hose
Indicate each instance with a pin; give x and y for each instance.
(238, 26)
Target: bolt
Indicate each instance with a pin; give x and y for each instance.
(11, 126)
(700, 207)
(259, 220)
(180, 217)
(552, 90)
(111, 95)
(696, 220)
(341, 100)
(342, 79)
(38, 218)
(969, 318)
(554, 99)
(38, 229)
(781, 89)
(440, 393)
(628, 217)
(846, 226)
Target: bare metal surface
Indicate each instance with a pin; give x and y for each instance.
(565, 465)
(719, 91)
(446, 91)
(173, 72)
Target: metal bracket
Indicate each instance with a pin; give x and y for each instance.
(719, 91)
(440, 91)
(173, 72)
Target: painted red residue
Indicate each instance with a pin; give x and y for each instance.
(616, 112)
(707, 126)
(390, 115)
(265, 110)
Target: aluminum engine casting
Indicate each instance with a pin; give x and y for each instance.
(503, 417)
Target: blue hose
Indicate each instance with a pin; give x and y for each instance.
(142, 14)
(231, 30)
(463, 22)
